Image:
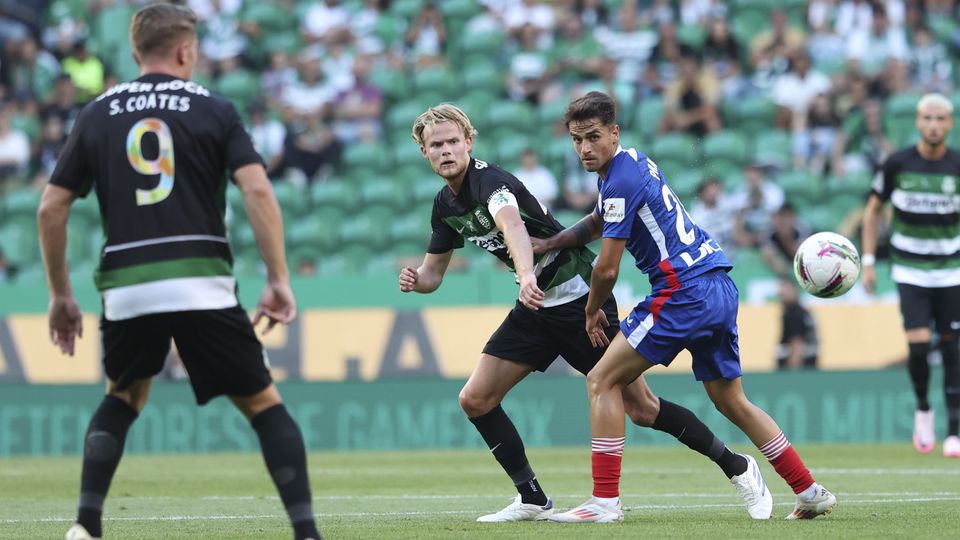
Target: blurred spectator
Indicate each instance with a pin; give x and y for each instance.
(853, 16)
(326, 21)
(222, 39)
(755, 200)
(629, 45)
(579, 53)
(656, 12)
(358, 110)
(592, 13)
(721, 54)
(869, 50)
(661, 69)
(770, 49)
(268, 136)
(695, 12)
(209, 9)
(714, 213)
(533, 13)
(365, 23)
(798, 348)
(8, 270)
(579, 186)
(14, 149)
(930, 68)
(530, 75)
(32, 71)
(538, 179)
(813, 137)
(690, 102)
(278, 76)
(861, 145)
(780, 246)
(337, 67)
(63, 103)
(310, 151)
(86, 71)
(426, 38)
(51, 142)
(311, 95)
(795, 90)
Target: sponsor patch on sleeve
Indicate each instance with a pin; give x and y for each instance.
(500, 198)
(614, 210)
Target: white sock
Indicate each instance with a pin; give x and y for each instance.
(608, 501)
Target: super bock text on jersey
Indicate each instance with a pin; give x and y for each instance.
(155, 150)
(563, 275)
(925, 233)
(637, 205)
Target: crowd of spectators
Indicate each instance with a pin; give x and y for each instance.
(314, 77)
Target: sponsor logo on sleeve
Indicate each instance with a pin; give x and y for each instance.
(614, 210)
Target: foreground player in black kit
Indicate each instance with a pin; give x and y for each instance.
(158, 151)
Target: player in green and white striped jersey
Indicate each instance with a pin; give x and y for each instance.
(921, 184)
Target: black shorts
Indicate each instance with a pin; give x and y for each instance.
(219, 349)
(536, 338)
(920, 305)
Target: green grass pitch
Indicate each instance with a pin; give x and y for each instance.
(884, 491)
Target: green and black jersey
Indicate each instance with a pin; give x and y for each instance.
(925, 234)
(157, 151)
(563, 275)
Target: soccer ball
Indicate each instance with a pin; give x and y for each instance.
(826, 265)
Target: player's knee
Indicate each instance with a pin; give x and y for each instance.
(101, 447)
(476, 404)
(597, 383)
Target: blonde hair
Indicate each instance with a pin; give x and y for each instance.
(444, 112)
(156, 28)
(934, 100)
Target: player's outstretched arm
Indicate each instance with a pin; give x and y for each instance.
(868, 241)
(277, 303)
(428, 277)
(65, 319)
(602, 280)
(581, 233)
(521, 251)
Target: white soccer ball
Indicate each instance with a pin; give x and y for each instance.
(826, 264)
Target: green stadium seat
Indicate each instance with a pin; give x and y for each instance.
(18, 237)
(314, 232)
(692, 35)
(21, 201)
(407, 9)
(437, 80)
(292, 198)
(488, 44)
(394, 84)
(773, 147)
(410, 227)
(369, 155)
(647, 117)
(509, 147)
(482, 76)
(901, 106)
(511, 114)
(407, 154)
(240, 86)
(403, 114)
(334, 193)
(800, 187)
(368, 228)
(728, 145)
(459, 9)
(684, 183)
(751, 114)
(382, 191)
(851, 184)
(676, 147)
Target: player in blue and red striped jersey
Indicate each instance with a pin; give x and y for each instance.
(693, 305)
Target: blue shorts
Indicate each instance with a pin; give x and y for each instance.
(700, 316)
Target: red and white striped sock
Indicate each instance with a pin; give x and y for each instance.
(785, 460)
(607, 457)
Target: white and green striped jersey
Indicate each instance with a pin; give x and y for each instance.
(925, 233)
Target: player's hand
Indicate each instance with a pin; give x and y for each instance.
(868, 276)
(408, 279)
(66, 323)
(596, 326)
(539, 245)
(277, 305)
(530, 294)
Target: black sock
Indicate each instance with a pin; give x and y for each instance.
(919, 370)
(286, 459)
(503, 440)
(951, 383)
(102, 450)
(688, 429)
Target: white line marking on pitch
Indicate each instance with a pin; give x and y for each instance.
(454, 512)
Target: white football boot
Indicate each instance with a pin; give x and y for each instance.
(821, 503)
(78, 532)
(518, 511)
(591, 511)
(924, 438)
(753, 490)
(951, 446)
